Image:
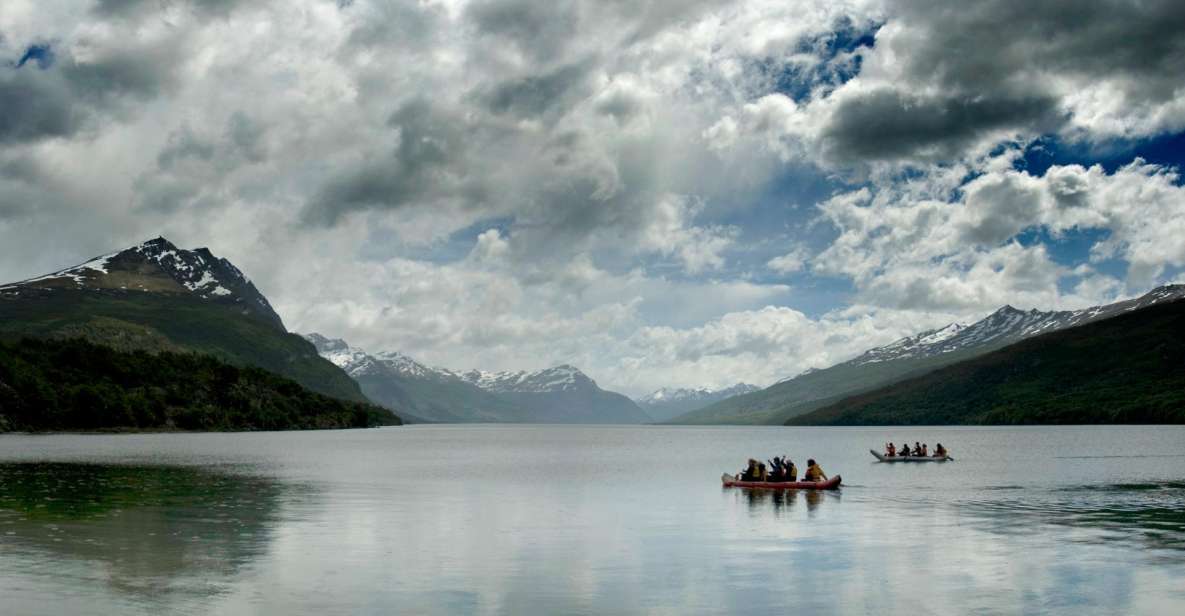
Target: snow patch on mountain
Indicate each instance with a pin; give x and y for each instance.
(668, 395)
(559, 378)
(157, 266)
(1008, 325)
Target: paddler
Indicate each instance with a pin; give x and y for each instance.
(750, 473)
(791, 470)
(813, 472)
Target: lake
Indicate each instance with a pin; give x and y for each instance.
(528, 519)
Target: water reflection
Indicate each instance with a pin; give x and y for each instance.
(1150, 515)
(783, 502)
(151, 533)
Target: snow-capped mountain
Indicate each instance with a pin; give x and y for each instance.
(908, 357)
(157, 266)
(1008, 325)
(559, 378)
(680, 394)
(154, 297)
(562, 394)
(670, 402)
(357, 362)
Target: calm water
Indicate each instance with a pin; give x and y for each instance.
(597, 520)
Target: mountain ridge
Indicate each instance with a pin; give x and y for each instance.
(1129, 368)
(907, 357)
(442, 394)
(156, 297)
(669, 402)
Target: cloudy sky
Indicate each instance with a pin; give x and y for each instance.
(673, 192)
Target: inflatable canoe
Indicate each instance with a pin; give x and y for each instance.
(883, 458)
(731, 481)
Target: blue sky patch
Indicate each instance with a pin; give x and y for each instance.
(41, 54)
(1050, 150)
(833, 70)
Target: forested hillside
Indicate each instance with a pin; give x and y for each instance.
(1126, 369)
(78, 385)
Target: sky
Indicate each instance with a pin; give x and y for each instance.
(663, 193)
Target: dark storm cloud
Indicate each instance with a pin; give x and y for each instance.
(428, 163)
(399, 24)
(184, 145)
(536, 95)
(129, 8)
(35, 105)
(45, 95)
(620, 106)
(140, 73)
(992, 65)
(537, 29)
(992, 43)
(887, 124)
(246, 136)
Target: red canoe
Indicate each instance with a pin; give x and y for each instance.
(831, 484)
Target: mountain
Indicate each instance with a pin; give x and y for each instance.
(908, 357)
(562, 394)
(419, 392)
(1125, 369)
(668, 403)
(157, 297)
(74, 384)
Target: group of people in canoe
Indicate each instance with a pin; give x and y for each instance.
(781, 470)
(920, 450)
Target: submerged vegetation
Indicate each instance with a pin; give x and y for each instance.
(78, 385)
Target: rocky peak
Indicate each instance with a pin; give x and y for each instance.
(324, 344)
(667, 395)
(158, 266)
(558, 378)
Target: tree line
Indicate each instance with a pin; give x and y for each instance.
(73, 384)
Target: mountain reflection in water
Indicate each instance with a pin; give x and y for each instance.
(1149, 515)
(523, 520)
(152, 533)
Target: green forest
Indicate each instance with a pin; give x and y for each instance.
(73, 384)
(1129, 369)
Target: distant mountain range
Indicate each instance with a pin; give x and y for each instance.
(156, 297)
(1129, 368)
(909, 357)
(562, 394)
(670, 402)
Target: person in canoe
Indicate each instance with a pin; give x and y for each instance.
(939, 451)
(791, 470)
(776, 472)
(813, 472)
(905, 449)
(917, 448)
(762, 472)
(890, 450)
(750, 472)
(925, 450)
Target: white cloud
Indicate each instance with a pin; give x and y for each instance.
(794, 261)
(620, 167)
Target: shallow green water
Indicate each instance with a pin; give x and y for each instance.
(563, 519)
